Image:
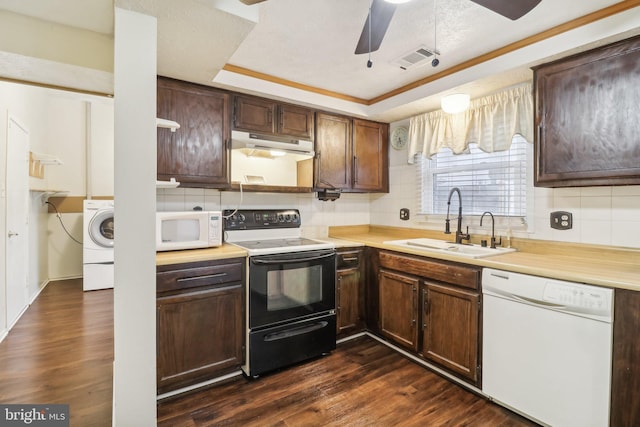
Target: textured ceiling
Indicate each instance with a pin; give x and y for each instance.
(312, 43)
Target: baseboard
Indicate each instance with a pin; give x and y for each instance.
(199, 385)
(40, 289)
(3, 335)
(427, 365)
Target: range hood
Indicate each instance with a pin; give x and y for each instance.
(241, 139)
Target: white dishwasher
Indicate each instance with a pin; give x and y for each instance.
(546, 348)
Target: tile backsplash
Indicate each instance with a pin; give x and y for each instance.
(317, 216)
(601, 215)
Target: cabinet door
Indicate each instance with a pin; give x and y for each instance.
(625, 378)
(586, 132)
(348, 300)
(399, 308)
(295, 121)
(370, 156)
(333, 151)
(197, 153)
(200, 335)
(254, 114)
(450, 329)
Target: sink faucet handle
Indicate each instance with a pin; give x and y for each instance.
(447, 226)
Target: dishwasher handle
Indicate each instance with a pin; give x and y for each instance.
(537, 302)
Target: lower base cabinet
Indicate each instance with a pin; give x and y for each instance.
(349, 292)
(625, 378)
(399, 308)
(446, 330)
(200, 322)
(450, 328)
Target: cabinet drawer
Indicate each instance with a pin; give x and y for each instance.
(465, 276)
(348, 259)
(191, 275)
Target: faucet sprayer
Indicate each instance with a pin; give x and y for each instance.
(447, 228)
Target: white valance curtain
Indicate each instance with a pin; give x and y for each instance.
(491, 122)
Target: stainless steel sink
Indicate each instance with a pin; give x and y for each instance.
(443, 247)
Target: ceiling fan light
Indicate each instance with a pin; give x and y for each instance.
(397, 1)
(455, 103)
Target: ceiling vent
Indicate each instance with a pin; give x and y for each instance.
(415, 58)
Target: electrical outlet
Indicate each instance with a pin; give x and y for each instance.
(561, 220)
(404, 214)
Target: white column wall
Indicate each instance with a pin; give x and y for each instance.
(134, 372)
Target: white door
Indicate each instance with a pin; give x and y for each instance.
(17, 219)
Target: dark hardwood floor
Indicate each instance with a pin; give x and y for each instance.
(61, 351)
(362, 383)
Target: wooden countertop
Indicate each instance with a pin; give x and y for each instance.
(227, 251)
(195, 255)
(594, 265)
(617, 268)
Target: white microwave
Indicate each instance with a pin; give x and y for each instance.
(188, 230)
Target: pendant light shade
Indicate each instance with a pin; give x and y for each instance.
(456, 103)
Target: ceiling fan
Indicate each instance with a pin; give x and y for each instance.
(382, 10)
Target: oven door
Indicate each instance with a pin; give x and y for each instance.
(290, 286)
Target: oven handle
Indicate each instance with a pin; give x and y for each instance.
(295, 331)
(280, 261)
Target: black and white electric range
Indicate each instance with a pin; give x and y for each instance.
(291, 289)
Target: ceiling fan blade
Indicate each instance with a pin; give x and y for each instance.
(509, 8)
(381, 13)
(250, 2)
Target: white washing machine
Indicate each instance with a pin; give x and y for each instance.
(97, 253)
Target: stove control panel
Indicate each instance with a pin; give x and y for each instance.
(256, 219)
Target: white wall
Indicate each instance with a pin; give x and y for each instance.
(59, 125)
(277, 171)
(27, 104)
(601, 215)
(80, 134)
(3, 226)
(134, 369)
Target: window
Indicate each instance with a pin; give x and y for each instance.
(495, 182)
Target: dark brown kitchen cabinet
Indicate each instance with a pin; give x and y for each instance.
(625, 378)
(449, 317)
(398, 295)
(349, 291)
(450, 328)
(269, 117)
(586, 117)
(197, 154)
(351, 154)
(333, 151)
(200, 321)
(370, 171)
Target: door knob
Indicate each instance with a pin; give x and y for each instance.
(11, 234)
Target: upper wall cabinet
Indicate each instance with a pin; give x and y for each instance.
(351, 154)
(333, 151)
(587, 118)
(370, 156)
(197, 154)
(253, 114)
